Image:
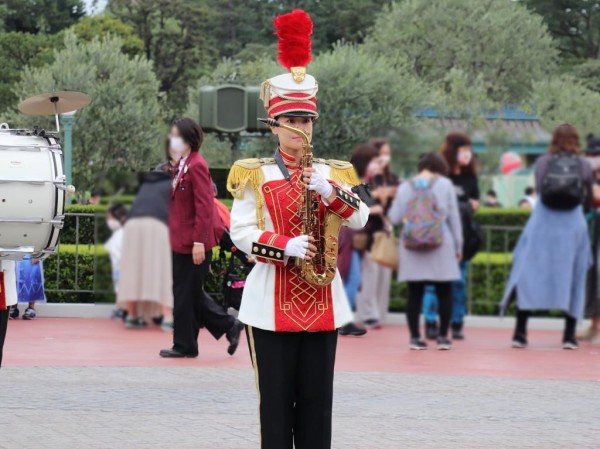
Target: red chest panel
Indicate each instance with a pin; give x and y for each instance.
(299, 306)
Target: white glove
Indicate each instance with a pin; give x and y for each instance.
(320, 185)
(296, 247)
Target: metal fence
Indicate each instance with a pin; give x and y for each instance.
(79, 271)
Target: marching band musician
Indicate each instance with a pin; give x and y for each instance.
(291, 324)
(8, 297)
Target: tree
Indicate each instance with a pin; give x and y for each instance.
(240, 22)
(18, 50)
(565, 99)
(41, 16)
(589, 73)
(574, 23)
(121, 128)
(175, 38)
(88, 28)
(500, 41)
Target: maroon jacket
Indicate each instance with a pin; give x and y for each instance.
(192, 214)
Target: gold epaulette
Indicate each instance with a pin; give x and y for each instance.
(342, 172)
(247, 171)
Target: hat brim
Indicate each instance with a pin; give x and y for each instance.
(297, 114)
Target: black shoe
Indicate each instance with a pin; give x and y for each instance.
(157, 320)
(519, 341)
(174, 354)
(444, 344)
(352, 329)
(431, 330)
(457, 333)
(14, 313)
(233, 336)
(416, 344)
(135, 323)
(570, 343)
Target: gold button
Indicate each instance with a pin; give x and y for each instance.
(278, 255)
(255, 249)
(271, 253)
(263, 251)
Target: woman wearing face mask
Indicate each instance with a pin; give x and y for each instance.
(384, 187)
(355, 243)
(373, 295)
(192, 234)
(457, 151)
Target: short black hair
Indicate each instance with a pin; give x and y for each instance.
(190, 131)
(491, 193)
(433, 162)
(119, 211)
(529, 190)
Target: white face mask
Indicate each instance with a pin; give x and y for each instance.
(373, 168)
(177, 145)
(174, 156)
(113, 224)
(464, 157)
(385, 160)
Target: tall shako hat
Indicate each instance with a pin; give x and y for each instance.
(293, 93)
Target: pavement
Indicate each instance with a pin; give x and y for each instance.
(89, 383)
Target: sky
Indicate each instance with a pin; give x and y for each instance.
(101, 4)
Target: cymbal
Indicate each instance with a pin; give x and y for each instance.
(43, 104)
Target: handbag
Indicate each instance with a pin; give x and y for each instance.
(385, 250)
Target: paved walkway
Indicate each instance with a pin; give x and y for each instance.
(87, 384)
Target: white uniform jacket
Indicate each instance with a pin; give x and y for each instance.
(263, 218)
(8, 288)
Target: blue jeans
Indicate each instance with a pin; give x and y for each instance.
(459, 298)
(352, 284)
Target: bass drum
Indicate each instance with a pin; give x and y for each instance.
(32, 194)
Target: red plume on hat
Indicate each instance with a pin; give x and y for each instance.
(294, 30)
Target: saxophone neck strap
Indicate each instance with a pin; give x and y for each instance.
(281, 164)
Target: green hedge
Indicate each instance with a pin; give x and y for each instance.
(59, 274)
(496, 241)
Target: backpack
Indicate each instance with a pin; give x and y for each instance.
(562, 182)
(423, 222)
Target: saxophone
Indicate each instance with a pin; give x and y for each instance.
(321, 269)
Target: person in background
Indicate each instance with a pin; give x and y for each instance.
(592, 307)
(30, 287)
(436, 266)
(528, 202)
(145, 287)
(222, 209)
(95, 198)
(8, 297)
(192, 234)
(115, 219)
(553, 254)
(458, 154)
(366, 162)
(383, 188)
(491, 199)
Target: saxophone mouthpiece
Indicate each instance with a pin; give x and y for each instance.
(269, 122)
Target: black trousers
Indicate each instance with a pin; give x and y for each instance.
(193, 308)
(3, 326)
(523, 318)
(294, 378)
(416, 290)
